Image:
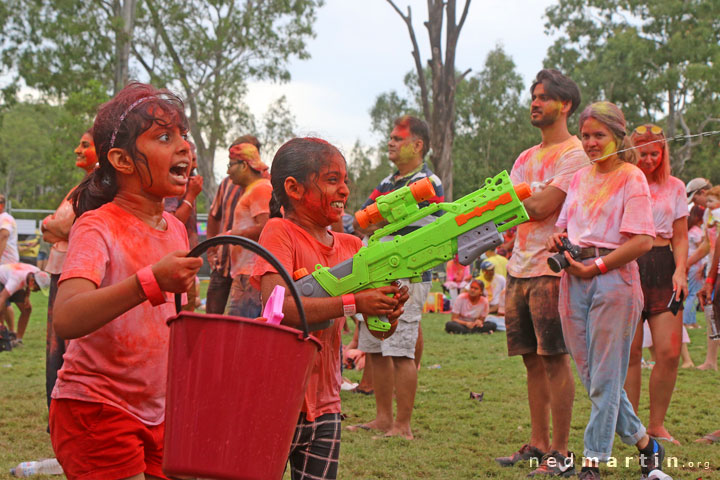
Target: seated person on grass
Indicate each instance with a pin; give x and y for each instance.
(469, 312)
(494, 286)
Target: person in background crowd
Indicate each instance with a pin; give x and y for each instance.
(17, 280)
(494, 287)
(663, 275)
(220, 219)
(251, 213)
(457, 277)
(395, 360)
(469, 312)
(56, 230)
(696, 272)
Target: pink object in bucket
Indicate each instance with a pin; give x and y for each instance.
(235, 390)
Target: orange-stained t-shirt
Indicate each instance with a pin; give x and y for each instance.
(295, 249)
(123, 363)
(541, 164)
(253, 202)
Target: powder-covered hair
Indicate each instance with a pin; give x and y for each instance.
(120, 122)
(302, 159)
(612, 117)
(639, 139)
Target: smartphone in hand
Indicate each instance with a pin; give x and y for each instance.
(675, 305)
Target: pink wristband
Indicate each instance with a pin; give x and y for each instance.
(349, 308)
(601, 265)
(710, 280)
(150, 287)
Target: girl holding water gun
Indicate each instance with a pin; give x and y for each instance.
(107, 413)
(309, 179)
(607, 212)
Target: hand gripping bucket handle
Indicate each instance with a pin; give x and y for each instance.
(259, 250)
(235, 388)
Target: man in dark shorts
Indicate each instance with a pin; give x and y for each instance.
(531, 302)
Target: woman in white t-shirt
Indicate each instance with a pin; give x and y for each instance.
(607, 212)
(663, 276)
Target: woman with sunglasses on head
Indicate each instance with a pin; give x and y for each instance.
(663, 276)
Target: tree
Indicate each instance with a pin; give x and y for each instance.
(438, 101)
(492, 124)
(657, 59)
(37, 165)
(207, 50)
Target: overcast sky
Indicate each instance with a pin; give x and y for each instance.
(362, 49)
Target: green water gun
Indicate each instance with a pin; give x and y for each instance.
(470, 226)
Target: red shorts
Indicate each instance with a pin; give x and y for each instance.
(98, 441)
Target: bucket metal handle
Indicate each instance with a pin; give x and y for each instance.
(259, 250)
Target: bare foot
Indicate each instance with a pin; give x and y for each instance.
(687, 365)
(707, 366)
(373, 425)
(393, 432)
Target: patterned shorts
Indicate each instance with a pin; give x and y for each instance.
(315, 448)
(532, 320)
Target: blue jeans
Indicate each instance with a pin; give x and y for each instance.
(695, 283)
(599, 316)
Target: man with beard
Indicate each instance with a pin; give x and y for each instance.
(531, 303)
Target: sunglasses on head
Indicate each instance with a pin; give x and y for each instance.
(654, 129)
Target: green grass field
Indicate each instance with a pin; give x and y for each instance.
(456, 437)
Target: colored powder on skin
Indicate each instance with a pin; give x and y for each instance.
(609, 149)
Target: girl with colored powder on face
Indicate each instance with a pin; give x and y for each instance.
(607, 212)
(108, 404)
(663, 277)
(309, 180)
(56, 230)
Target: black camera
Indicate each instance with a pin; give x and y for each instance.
(558, 261)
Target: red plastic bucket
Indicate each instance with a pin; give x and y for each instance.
(235, 390)
(234, 394)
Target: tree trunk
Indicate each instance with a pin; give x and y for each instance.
(124, 34)
(440, 113)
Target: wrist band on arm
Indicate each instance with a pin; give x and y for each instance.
(710, 280)
(601, 265)
(150, 286)
(187, 203)
(349, 308)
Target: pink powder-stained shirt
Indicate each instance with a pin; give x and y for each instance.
(539, 164)
(605, 209)
(457, 273)
(296, 249)
(469, 311)
(123, 363)
(668, 204)
(254, 201)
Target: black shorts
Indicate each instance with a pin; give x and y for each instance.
(17, 297)
(656, 270)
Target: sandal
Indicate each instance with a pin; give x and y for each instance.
(363, 392)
